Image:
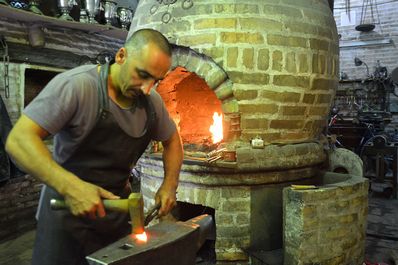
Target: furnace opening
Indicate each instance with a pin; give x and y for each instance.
(192, 105)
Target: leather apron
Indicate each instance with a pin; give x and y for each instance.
(105, 158)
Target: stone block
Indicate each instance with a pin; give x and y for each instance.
(292, 81)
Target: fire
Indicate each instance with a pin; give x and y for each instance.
(216, 128)
(141, 237)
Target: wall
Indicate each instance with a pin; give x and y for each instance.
(318, 230)
(386, 29)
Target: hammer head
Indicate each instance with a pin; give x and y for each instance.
(136, 210)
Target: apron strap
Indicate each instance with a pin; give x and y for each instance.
(103, 103)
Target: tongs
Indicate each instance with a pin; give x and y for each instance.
(152, 213)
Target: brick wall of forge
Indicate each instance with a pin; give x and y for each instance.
(282, 59)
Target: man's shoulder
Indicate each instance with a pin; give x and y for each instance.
(80, 72)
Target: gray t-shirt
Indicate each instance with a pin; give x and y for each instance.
(67, 108)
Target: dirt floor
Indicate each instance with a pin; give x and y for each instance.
(381, 240)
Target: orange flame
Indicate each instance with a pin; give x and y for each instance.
(141, 237)
(216, 128)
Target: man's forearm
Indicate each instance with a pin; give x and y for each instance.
(172, 160)
(27, 149)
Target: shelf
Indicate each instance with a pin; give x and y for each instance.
(14, 14)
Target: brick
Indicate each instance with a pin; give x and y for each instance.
(309, 98)
(248, 58)
(290, 80)
(230, 106)
(236, 8)
(289, 41)
(260, 24)
(282, 97)
(224, 91)
(258, 108)
(232, 57)
(248, 78)
(315, 63)
(254, 123)
(290, 12)
(323, 84)
(240, 37)
(197, 39)
(263, 59)
(300, 27)
(319, 111)
(290, 62)
(235, 206)
(244, 94)
(303, 63)
(293, 110)
(318, 44)
(197, 9)
(323, 98)
(211, 23)
(277, 63)
(286, 124)
(214, 52)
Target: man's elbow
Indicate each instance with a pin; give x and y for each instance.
(11, 142)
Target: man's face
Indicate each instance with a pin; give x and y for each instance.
(142, 70)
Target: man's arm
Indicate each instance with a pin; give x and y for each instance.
(172, 160)
(25, 145)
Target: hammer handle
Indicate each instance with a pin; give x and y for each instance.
(119, 205)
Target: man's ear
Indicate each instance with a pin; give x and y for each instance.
(121, 55)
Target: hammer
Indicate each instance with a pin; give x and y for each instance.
(134, 205)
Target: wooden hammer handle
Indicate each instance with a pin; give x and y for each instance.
(119, 205)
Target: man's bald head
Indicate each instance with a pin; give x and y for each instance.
(142, 37)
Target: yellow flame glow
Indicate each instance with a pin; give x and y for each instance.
(216, 128)
(141, 237)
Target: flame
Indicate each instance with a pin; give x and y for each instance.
(216, 128)
(141, 237)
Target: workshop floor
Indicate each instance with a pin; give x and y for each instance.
(381, 241)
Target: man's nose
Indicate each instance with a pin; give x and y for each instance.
(147, 85)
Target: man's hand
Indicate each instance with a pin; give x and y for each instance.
(166, 197)
(85, 199)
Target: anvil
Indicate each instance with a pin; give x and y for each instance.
(169, 243)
